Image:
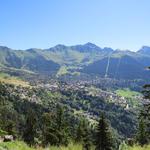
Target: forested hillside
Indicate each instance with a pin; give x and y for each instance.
(76, 109)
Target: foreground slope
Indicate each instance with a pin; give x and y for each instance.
(18, 145)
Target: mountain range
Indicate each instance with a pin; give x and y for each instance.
(79, 59)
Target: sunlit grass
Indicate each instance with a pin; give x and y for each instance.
(127, 93)
(139, 148)
(6, 78)
(17, 145)
(14, 146)
(130, 95)
(70, 147)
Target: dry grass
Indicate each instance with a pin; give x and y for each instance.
(13, 80)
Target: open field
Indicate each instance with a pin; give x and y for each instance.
(127, 93)
(130, 95)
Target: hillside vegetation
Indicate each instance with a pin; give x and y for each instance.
(6, 78)
(131, 96)
(17, 145)
(139, 148)
(87, 59)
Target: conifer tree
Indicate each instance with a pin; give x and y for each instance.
(79, 132)
(142, 135)
(86, 139)
(62, 130)
(30, 129)
(145, 114)
(8, 119)
(104, 140)
(83, 135)
(48, 130)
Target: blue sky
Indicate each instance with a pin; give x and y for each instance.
(123, 24)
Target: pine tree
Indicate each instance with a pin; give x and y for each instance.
(142, 136)
(10, 127)
(79, 132)
(48, 130)
(30, 130)
(104, 140)
(8, 119)
(62, 130)
(86, 139)
(83, 135)
(145, 113)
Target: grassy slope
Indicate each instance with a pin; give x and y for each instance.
(64, 57)
(127, 93)
(6, 78)
(62, 71)
(130, 95)
(22, 146)
(14, 146)
(139, 148)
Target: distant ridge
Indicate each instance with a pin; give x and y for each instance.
(87, 58)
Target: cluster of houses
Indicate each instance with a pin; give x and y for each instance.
(87, 88)
(110, 97)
